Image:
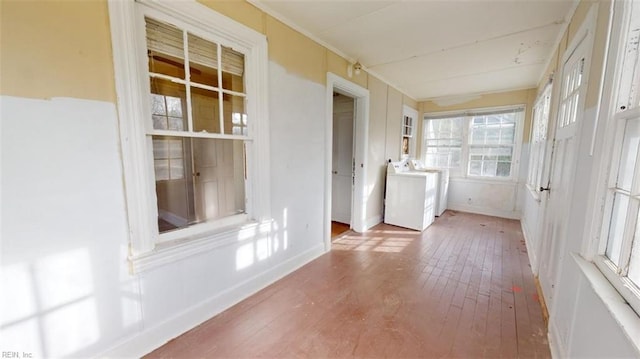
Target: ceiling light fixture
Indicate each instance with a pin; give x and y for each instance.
(357, 67)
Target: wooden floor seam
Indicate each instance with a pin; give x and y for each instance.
(463, 288)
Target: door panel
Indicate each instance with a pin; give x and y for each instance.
(342, 165)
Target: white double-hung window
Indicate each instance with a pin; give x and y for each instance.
(475, 143)
(618, 254)
(192, 105)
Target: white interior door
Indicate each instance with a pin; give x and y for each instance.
(343, 162)
(563, 165)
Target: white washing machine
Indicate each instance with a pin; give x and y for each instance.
(442, 191)
(410, 199)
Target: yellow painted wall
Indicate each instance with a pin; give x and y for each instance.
(394, 124)
(295, 52)
(56, 49)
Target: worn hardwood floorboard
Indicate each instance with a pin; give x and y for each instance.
(461, 289)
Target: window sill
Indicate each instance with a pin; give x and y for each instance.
(171, 251)
(621, 311)
(490, 180)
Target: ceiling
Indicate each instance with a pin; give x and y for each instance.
(436, 49)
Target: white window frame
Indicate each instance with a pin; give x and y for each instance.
(147, 249)
(621, 103)
(537, 151)
(463, 170)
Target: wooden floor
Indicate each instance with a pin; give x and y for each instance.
(338, 228)
(462, 288)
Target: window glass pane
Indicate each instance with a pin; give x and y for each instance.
(167, 105)
(165, 48)
(174, 106)
(616, 229)
(494, 161)
(168, 155)
(504, 169)
(158, 105)
(629, 154)
(161, 168)
(234, 105)
(197, 180)
(232, 70)
(239, 122)
(493, 136)
(455, 157)
(489, 168)
(160, 148)
(160, 122)
(478, 136)
(475, 168)
(219, 181)
(203, 61)
(443, 138)
(205, 110)
(507, 135)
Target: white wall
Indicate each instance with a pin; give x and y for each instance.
(65, 236)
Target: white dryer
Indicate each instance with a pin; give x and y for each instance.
(410, 199)
(442, 190)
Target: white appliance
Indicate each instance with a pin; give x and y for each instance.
(442, 191)
(410, 197)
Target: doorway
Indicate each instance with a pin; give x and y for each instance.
(343, 163)
(352, 187)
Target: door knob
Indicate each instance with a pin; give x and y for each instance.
(542, 189)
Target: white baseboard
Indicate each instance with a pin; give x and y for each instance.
(154, 337)
(531, 253)
(482, 210)
(555, 345)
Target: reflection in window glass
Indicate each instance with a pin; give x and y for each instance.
(197, 180)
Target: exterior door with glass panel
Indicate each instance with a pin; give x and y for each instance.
(563, 165)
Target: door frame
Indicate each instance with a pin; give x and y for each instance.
(360, 197)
